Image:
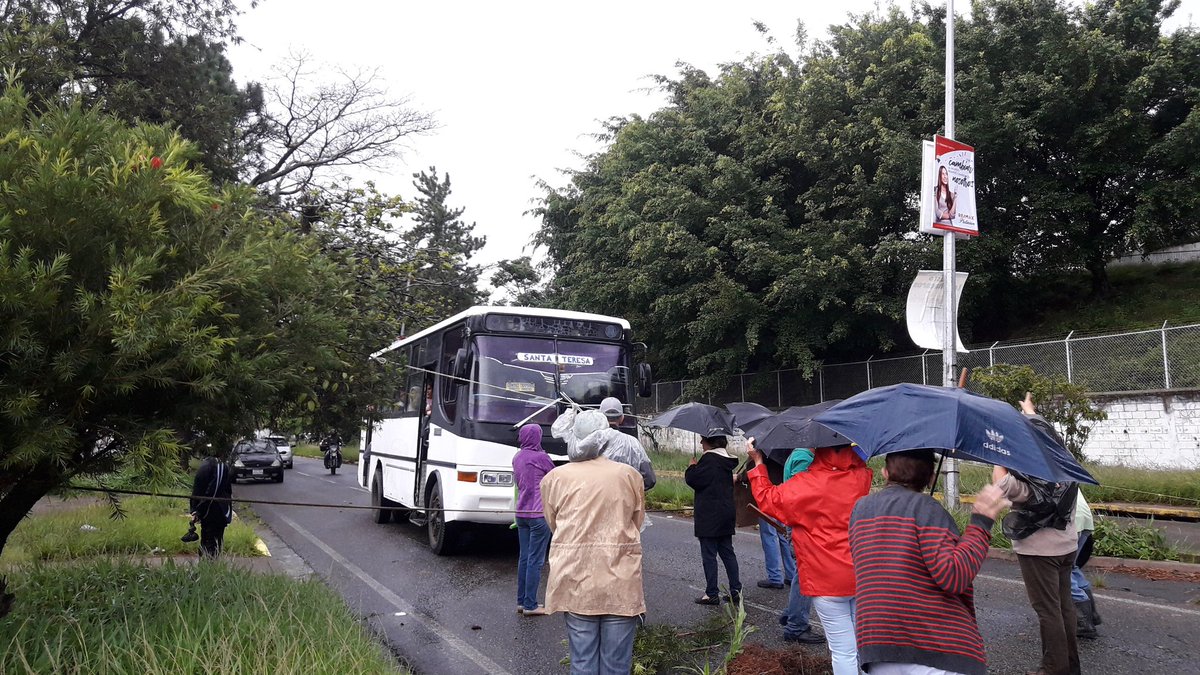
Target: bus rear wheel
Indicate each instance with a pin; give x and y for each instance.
(382, 514)
(443, 536)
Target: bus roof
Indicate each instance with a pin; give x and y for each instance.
(480, 310)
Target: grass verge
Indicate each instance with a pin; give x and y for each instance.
(1113, 539)
(349, 453)
(117, 617)
(151, 526)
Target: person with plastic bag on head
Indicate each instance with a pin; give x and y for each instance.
(595, 508)
(618, 446)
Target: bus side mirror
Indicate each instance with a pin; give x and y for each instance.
(462, 366)
(643, 379)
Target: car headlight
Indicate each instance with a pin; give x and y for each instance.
(238, 464)
(276, 462)
(501, 478)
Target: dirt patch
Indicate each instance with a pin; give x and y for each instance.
(760, 660)
(1156, 574)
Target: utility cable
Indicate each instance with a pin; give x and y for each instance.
(143, 493)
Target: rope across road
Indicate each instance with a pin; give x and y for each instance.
(366, 507)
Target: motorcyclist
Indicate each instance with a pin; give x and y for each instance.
(331, 448)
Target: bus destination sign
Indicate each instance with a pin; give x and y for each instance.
(542, 325)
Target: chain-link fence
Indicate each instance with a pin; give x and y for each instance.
(1146, 360)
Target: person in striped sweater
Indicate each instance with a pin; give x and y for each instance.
(914, 574)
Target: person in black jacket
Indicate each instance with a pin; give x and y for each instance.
(712, 479)
(213, 480)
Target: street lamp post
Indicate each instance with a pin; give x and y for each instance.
(949, 335)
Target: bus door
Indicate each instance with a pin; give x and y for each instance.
(426, 410)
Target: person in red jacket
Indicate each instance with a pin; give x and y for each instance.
(817, 505)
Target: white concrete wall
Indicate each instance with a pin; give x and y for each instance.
(1170, 255)
(677, 440)
(1158, 431)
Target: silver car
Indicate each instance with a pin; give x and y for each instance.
(285, 450)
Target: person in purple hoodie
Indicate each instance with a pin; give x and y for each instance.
(530, 465)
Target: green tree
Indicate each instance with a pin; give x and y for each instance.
(765, 217)
(142, 60)
(139, 306)
(356, 227)
(1063, 404)
(441, 246)
(520, 281)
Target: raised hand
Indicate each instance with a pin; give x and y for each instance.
(990, 501)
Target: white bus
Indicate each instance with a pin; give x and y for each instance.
(448, 440)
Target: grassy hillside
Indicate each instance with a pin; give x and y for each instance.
(1142, 297)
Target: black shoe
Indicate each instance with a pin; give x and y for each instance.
(767, 583)
(808, 637)
(1096, 620)
(705, 600)
(733, 597)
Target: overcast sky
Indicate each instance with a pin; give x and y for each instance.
(518, 86)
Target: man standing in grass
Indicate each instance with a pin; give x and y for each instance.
(212, 491)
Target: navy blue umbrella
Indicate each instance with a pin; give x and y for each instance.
(957, 422)
(700, 418)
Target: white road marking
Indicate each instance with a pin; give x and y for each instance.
(430, 624)
(1105, 596)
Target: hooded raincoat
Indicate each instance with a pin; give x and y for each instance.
(530, 465)
(817, 505)
(595, 509)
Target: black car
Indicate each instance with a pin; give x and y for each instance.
(257, 460)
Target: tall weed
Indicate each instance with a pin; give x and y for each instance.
(109, 617)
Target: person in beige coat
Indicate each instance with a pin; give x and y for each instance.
(595, 508)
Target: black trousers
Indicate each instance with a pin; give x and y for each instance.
(710, 548)
(212, 538)
(1048, 585)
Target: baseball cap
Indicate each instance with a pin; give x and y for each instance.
(612, 408)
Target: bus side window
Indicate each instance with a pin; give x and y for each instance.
(452, 340)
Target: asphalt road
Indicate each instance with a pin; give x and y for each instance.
(458, 614)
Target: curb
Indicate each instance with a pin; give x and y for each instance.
(1103, 563)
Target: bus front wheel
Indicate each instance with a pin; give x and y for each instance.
(443, 536)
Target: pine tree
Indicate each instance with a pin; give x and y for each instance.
(441, 244)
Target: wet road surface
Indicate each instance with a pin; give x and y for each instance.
(458, 614)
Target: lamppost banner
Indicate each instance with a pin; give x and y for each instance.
(948, 188)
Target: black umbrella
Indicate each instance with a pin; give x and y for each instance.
(748, 416)
(700, 418)
(794, 428)
(792, 434)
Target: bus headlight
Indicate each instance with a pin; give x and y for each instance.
(500, 478)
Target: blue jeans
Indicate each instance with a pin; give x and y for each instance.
(837, 617)
(777, 553)
(534, 536)
(797, 612)
(601, 645)
(1079, 583)
(710, 548)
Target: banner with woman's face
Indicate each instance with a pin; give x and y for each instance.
(948, 188)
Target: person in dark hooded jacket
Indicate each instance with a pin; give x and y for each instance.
(213, 480)
(715, 518)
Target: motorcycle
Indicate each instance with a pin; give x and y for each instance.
(333, 456)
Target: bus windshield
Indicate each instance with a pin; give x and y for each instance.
(518, 375)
